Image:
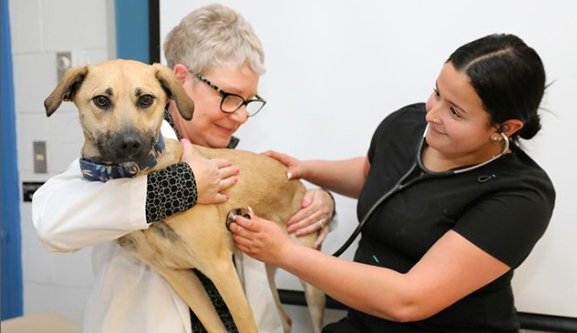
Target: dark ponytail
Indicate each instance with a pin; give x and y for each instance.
(530, 127)
(508, 76)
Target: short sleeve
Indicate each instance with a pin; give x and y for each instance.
(388, 126)
(507, 225)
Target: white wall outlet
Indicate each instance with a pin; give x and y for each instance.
(40, 163)
(63, 63)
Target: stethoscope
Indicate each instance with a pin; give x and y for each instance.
(401, 185)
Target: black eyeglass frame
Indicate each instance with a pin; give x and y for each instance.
(225, 94)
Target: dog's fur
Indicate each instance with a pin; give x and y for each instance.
(125, 130)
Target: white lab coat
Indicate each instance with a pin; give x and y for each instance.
(70, 213)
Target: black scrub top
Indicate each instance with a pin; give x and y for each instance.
(503, 208)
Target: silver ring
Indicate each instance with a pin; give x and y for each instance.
(321, 223)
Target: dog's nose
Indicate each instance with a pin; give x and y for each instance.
(127, 146)
(130, 144)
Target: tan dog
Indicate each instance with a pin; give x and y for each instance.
(121, 105)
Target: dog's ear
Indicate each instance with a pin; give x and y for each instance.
(175, 91)
(65, 89)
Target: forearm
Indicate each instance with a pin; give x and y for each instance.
(70, 213)
(170, 191)
(451, 269)
(345, 177)
(374, 290)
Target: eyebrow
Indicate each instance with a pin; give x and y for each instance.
(224, 87)
(453, 103)
(108, 91)
(235, 91)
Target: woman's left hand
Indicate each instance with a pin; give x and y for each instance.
(261, 239)
(315, 214)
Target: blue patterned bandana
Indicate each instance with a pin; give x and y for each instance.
(103, 172)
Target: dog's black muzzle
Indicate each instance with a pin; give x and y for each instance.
(127, 146)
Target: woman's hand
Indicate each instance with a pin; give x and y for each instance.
(261, 239)
(212, 175)
(295, 167)
(317, 205)
(315, 214)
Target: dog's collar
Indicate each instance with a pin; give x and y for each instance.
(103, 172)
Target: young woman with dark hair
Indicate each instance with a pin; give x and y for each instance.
(449, 203)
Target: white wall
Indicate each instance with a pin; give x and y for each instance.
(337, 68)
(40, 28)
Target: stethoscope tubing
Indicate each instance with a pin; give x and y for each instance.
(399, 186)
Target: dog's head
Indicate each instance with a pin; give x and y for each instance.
(121, 105)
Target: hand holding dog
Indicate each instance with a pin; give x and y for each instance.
(212, 175)
(315, 215)
(296, 169)
(317, 205)
(261, 239)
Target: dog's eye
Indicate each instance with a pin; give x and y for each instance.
(145, 101)
(101, 101)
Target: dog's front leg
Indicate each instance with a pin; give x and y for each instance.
(226, 281)
(207, 245)
(186, 284)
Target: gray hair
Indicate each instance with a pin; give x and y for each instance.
(211, 36)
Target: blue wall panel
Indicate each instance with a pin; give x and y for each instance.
(131, 18)
(10, 211)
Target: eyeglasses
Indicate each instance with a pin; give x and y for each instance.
(232, 102)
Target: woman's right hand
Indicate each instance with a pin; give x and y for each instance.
(212, 175)
(295, 167)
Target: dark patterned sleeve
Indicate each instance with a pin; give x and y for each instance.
(170, 191)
